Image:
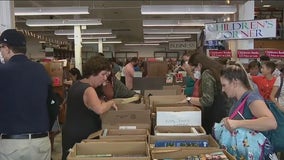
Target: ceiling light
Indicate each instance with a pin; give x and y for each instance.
(266, 6)
(176, 23)
(62, 22)
(156, 41)
(34, 11)
(171, 31)
(188, 9)
(96, 42)
(67, 32)
(141, 44)
(94, 37)
(167, 36)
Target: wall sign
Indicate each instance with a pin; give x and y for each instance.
(220, 53)
(274, 53)
(263, 28)
(182, 45)
(248, 54)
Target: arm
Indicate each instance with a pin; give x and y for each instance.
(264, 118)
(92, 101)
(275, 88)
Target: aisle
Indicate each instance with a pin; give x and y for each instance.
(56, 154)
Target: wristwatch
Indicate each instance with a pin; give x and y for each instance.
(188, 99)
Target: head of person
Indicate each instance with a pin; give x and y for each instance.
(12, 42)
(199, 62)
(96, 69)
(253, 68)
(134, 61)
(75, 74)
(185, 57)
(264, 58)
(267, 68)
(233, 77)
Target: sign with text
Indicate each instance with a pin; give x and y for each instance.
(274, 53)
(220, 53)
(184, 118)
(263, 28)
(182, 45)
(248, 54)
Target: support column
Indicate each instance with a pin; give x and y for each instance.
(7, 20)
(100, 45)
(78, 47)
(246, 12)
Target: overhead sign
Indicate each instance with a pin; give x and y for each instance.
(248, 54)
(182, 45)
(263, 28)
(220, 53)
(274, 53)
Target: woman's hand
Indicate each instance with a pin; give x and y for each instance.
(114, 106)
(229, 124)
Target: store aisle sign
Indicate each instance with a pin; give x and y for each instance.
(220, 53)
(263, 28)
(274, 53)
(248, 54)
(182, 45)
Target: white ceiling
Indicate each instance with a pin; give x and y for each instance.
(122, 17)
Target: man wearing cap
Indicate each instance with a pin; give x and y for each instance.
(24, 85)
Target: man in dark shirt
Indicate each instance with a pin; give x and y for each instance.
(24, 120)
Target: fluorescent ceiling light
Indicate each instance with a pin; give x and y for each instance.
(176, 23)
(141, 44)
(167, 36)
(171, 31)
(188, 9)
(62, 22)
(96, 42)
(67, 32)
(34, 11)
(156, 41)
(94, 37)
(266, 6)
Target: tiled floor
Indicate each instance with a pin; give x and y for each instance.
(56, 153)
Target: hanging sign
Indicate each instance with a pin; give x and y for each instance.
(182, 45)
(274, 53)
(263, 28)
(220, 53)
(248, 54)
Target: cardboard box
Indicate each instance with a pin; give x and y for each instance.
(110, 151)
(126, 119)
(132, 106)
(212, 144)
(169, 99)
(178, 88)
(120, 135)
(182, 153)
(179, 130)
(159, 92)
(178, 116)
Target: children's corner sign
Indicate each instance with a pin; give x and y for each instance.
(263, 28)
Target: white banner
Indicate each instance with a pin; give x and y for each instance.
(263, 28)
(182, 45)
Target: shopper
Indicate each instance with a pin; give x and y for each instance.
(254, 68)
(129, 72)
(211, 100)
(256, 115)
(84, 106)
(24, 121)
(75, 74)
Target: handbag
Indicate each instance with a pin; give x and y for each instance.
(276, 136)
(243, 143)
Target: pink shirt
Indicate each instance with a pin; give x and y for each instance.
(129, 75)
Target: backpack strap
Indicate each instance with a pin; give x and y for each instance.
(277, 95)
(240, 108)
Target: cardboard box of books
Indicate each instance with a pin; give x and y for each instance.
(127, 118)
(192, 142)
(110, 151)
(186, 153)
(119, 135)
(169, 99)
(179, 130)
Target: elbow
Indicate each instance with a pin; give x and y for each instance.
(274, 125)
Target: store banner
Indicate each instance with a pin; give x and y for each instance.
(190, 45)
(220, 53)
(274, 53)
(264, 28)
(248, 54)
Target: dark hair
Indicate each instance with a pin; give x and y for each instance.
(264, 58)
(17, 49)
(253, 64)
(236, 72)
(76, 72)
(134, 59)
(207, 64)
(95, 65)
(271, 65)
